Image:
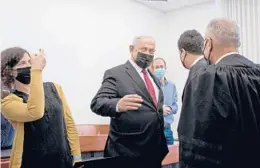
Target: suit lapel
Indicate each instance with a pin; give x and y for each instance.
(131, 71)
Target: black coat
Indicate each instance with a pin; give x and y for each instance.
(193, 71)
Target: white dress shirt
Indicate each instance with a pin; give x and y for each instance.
(139, 71)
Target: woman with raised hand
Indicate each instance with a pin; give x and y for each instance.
(45, 133)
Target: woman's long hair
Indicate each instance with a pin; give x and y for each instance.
(10, 57)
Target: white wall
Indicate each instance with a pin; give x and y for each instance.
(82, 38)
(194, 17)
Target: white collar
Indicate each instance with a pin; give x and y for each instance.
(196, 60)
(225, 56)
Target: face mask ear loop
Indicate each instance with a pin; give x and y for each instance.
(182, 61)
(208, 59)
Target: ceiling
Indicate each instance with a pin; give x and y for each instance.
(170, 5)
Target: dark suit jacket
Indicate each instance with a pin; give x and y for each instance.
(133, 133)
(194, 70)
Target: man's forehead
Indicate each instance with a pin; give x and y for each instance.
(158, 61)
(143, 40)
(147, 40)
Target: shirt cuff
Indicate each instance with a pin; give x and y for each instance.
(174, 108)
(117, 107)
(77, 158)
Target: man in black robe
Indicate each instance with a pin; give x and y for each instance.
(190, 45)
(219, 125)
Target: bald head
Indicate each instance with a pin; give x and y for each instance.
(224, 32)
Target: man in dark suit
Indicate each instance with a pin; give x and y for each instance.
(132, 97)
(190, 45)
(219, 126)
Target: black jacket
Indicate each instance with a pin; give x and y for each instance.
(132, 133)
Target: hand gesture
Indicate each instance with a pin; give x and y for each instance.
(129, 102)
(38, 60)
(166, 110)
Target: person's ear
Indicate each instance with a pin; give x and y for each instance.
(210, 44)
(183, 51)
(131, 48)
(207, 44)
(182, 54)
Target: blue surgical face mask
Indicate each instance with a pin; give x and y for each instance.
(159, 73)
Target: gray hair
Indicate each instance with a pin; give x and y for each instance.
(138, 38)
(225, 32)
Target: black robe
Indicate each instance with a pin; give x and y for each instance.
(219, 126)
(193, 71)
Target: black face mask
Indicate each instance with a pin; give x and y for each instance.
(24, 75)
(143, 60)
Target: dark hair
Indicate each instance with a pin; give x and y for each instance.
(9, 58)
(191, 41)
(159, 58)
